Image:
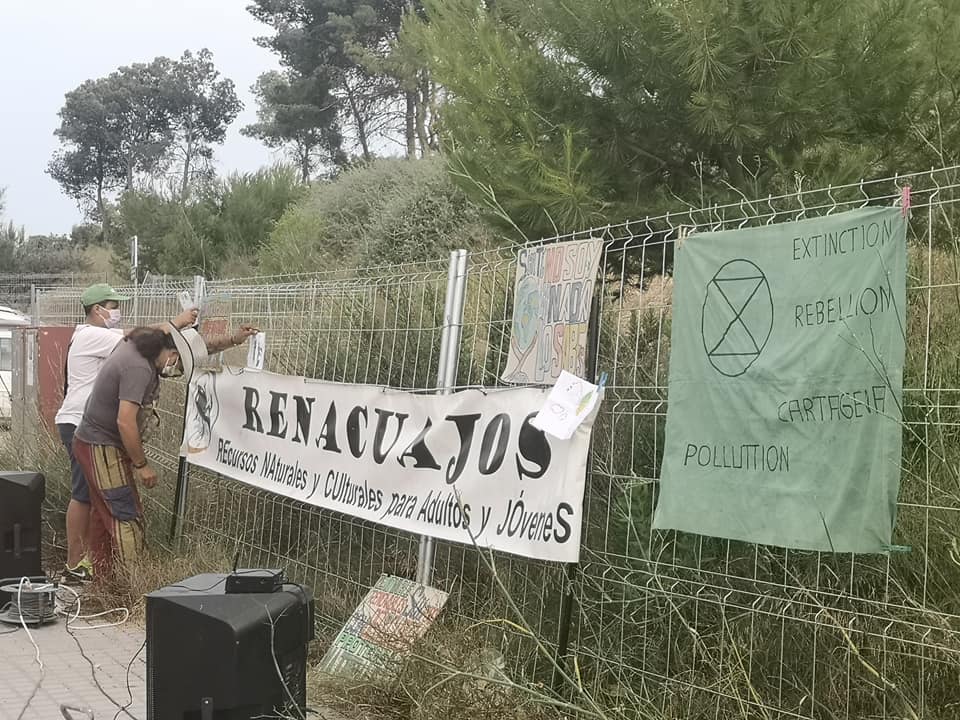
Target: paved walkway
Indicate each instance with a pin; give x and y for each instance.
(68, 680)
(68, 677)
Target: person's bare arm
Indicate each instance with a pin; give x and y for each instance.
(219, 344)
(130, 432)
(184, 320)
(133, 443)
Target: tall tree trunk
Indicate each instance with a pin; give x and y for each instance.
(100, 209)
(99, 178)
(411, 123)
(360, 122)
(303, 159)
(423, 100)
(432, 120)
(412, 115)
(187, 160)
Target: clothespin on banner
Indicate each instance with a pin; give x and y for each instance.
(602, 384)
(905, 200)
(683, 232)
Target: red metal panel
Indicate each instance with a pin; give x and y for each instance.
(53, 342)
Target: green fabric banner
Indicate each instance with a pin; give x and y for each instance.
(786, 374)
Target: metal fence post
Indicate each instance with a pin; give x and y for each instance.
(447, 366)
(179, 500)
(183, 469)
(19, 426)
(567, 600)
(135, 277)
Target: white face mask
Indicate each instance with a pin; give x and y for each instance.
(172, 370)
(113, 318)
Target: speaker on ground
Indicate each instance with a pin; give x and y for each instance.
(218, 656)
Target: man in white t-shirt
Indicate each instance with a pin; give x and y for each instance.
(92, 343)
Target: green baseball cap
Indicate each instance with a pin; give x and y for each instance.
(100, 293)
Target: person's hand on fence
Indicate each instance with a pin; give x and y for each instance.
(188, 318)
(245, 332)
(146, 476)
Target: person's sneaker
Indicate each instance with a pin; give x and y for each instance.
(82, 573)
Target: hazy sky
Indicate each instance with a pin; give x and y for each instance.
(49, 47)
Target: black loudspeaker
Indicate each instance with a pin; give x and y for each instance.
(21, 506)
(216, 656)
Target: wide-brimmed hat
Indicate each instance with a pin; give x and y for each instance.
(191, 346)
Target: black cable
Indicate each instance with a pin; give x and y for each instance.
(305, 710)
(121, 709)
(129, 689)
(36, 689)
(190, 589)
(221, 581)
(276, 664)
(93, 670)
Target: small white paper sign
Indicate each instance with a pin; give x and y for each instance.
(571, 401)
(257, 351)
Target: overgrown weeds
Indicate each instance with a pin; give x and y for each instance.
(158, 567)
(451, 675)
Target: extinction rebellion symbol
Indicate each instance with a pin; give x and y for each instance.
(737, 317)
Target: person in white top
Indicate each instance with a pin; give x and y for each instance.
(92, 343)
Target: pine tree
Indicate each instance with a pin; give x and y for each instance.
(568, 114)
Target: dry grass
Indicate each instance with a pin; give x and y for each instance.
(157, 568)
(447, 676)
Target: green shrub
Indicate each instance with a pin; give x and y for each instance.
(222, 222)
(389, 211)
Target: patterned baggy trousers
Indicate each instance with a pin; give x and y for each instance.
(116, 523)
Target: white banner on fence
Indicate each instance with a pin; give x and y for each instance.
(448, 466)
(552, 299)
